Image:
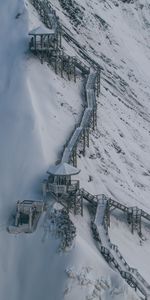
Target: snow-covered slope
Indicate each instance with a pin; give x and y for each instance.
(116, 35)
(38, 110)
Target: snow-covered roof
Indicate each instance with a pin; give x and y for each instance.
(41, 30)
(63, 169)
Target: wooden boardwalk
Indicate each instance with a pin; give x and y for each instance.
(112, 254)
(88, 120)
(102, 204)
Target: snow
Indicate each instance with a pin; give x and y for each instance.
(38, 111)
(63, 169)
(41, 30)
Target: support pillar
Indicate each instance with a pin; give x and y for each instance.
(74, 69)
(75, 157)
(138, 221)
(61, 67)
(30, 219)
(108, 215)
(56, 71)
(42, 53)
(88, 140)
(68, 68)
(35, 43)
(132, 222)
(75, 205)
(81, 204)
(93, 126)
(84, 141)
(98, 78)
(60, 38)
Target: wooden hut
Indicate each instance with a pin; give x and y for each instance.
(43, 41)
(26, 217)
(59, 180)
(61, 185)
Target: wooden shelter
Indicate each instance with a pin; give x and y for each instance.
(26, 217)
(59, 180)
(44, 40)
(61, 185)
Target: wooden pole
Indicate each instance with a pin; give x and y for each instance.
(75, 205)
(93, 119)
(68, 68)
(60, 38)
(74, 69)
(35, 42)
(132, 224)
(30, 219)
(81, 204)
(75, 158)
(41, 49)
(95, 116)
(87, 130)
(56, 64)
(98, 82)
(61, 66)
(83, 142)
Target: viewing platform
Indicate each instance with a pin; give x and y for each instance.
(66, 190)
(26, 217)
(59, 180)
(44, 40)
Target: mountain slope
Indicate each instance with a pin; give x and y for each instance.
(34, 103)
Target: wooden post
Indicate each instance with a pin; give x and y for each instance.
(140, 227)
(87, 130)
(17, 214)
(139, 222)
(75, 163)
(81, 204)
(42, 49)
(60, 38)
(44, 16)
(83, 142)
(98, 81)
(108, 215)
(57, 40)
(56, 64)
(93, 119)
(48, 41)
(74, 157)
(30, 219)
(35, 42)
(132, 222)
(74, 70)
(68, 68)
(95, 116)
(75, 205)
(129, 215)
(68, 205)
(61, 65)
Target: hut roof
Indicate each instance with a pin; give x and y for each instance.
(41, 30)
(63, 169)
